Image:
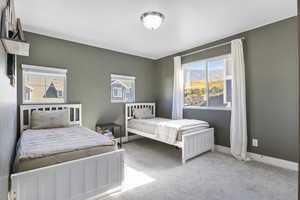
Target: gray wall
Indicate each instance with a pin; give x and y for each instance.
(272, 90)
(271, 76)
(8, 118)
(89, 72)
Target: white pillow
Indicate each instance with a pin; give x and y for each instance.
(142, 113)
(50, 119)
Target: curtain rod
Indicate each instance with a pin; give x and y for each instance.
(208, 48)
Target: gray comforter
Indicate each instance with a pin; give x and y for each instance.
(45, 142)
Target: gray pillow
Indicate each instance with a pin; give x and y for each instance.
(142, 113)
(50, 119)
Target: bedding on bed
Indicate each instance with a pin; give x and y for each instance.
(36, 147)
(166, 129)
(142, 113)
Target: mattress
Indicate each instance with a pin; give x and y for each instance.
(152, 126)
(45, 147)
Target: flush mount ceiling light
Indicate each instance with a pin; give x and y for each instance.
(152, 20)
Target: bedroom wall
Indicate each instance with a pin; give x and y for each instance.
(271, 75)
(89, 70)
(8, 118)
(272, 91)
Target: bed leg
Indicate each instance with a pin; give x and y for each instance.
(126, 136)
(213, 143)
(183, 160)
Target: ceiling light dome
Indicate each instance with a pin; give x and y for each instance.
(152, 20)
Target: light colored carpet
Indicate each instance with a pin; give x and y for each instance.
(154, 172)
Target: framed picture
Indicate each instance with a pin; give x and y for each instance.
(122, 88)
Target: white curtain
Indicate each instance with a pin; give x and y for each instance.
(238, 129)
(177, 107)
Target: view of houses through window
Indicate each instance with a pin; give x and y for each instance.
(122, 88)
(208, 83)
(43, 87)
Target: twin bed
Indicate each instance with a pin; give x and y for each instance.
(71, 162)
(45, 147)
(64, 163)
(193, 137)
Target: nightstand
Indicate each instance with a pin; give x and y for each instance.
(115, 130)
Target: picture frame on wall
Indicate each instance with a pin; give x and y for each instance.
(122, 88)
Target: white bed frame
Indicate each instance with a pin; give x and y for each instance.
(73, 180)
(192, 144)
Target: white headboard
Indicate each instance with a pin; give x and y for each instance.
(130, 106)
(129, 112)
(26, 110)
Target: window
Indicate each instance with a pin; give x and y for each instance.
(207, 83)
(60, 94)
(117, 92)
(43, 84)
(27, 93)
(122, 88)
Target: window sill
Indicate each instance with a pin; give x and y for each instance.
(205, 108)
(47, 103)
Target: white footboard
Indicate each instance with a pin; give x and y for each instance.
(197, 143)
(73, 180)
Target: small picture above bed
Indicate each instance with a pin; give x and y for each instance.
(122, 88)
(50, 119)
(44, 84)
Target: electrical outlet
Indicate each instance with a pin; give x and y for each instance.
(255, 142)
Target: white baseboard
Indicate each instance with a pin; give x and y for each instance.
(263, 159)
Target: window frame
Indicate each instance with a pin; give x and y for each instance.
(226, 77)
(52, 70)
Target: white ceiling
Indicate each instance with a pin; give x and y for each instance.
(115, 24)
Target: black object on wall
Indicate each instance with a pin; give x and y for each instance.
(11, 68)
